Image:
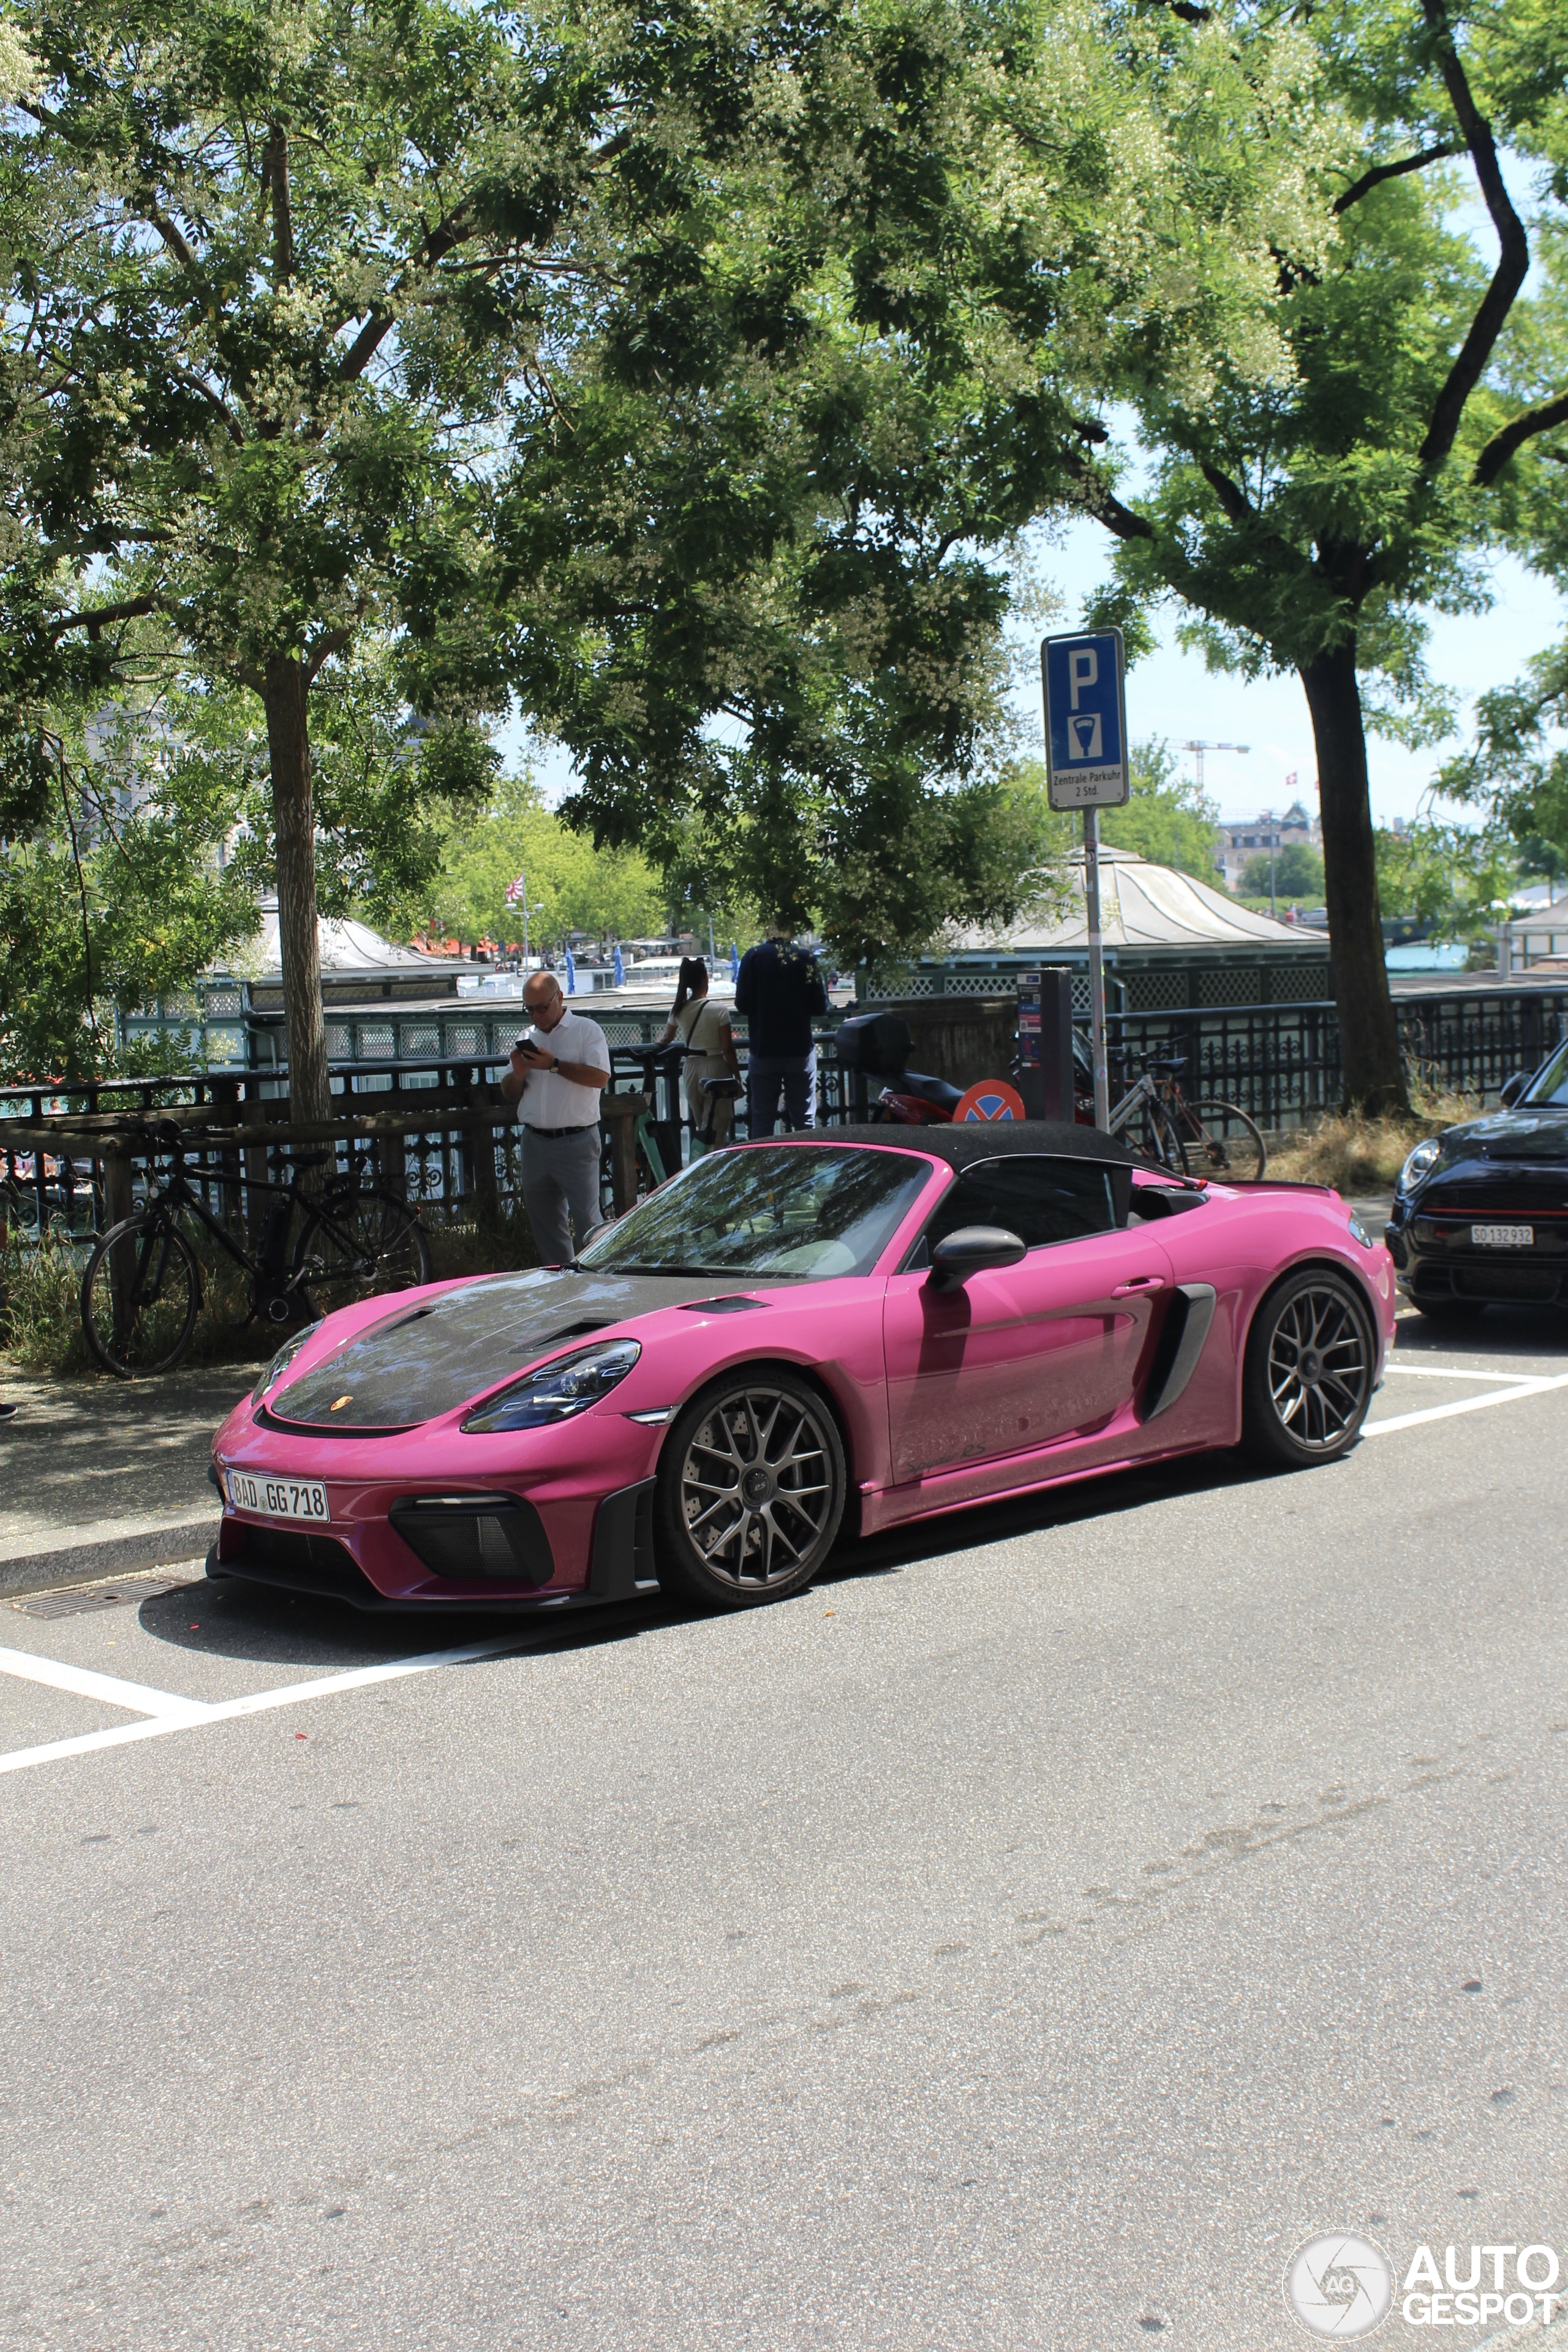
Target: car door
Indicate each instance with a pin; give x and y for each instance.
(1028, 1356)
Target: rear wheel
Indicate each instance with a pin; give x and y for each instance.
(140, 1295)
(1306, 1382)
(1220, 1140)
(752, 1484)
(1154, 1134)
(358, 1244)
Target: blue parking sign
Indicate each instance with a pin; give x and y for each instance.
(1086, 719)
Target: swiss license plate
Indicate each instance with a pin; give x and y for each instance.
(1502, 1236)
(279, 1498)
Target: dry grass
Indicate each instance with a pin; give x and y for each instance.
(1365, 1155)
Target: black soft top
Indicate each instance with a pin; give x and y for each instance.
(977, 1138)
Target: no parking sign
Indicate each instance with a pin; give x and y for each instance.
(989, 1098)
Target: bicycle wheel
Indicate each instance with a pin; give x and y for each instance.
(1220, 1140)
(139, 1296)
(1153, 1134)
(356, 1245)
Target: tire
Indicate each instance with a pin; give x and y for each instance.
(1451, 1310)
(356, 1245)
(1306, 1381)
(139, 1297)
(1222, 1142)
(765, 1428)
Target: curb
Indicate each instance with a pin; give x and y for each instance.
(154, 1545)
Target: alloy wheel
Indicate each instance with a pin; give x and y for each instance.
(757, 1490)
(1319, 1367)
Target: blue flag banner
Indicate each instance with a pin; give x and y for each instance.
(571, 974)
(620, 967)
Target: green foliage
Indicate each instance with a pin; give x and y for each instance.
(1296, 874)
(1517, 770)
(114, 895)
(1168, 819)
(571, 885)
(1449, 876)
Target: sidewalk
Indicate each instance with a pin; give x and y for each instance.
(99, 1478)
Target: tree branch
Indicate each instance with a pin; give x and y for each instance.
(1237, 506)
(275, 178)
(326, 648)
(1513, 260)
(1102, 502)
(380, 323)
(1512, 436)
(94, 617)
(1381, 172)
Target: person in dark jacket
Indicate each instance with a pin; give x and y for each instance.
(780, 989)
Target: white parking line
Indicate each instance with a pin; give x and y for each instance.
(1455, 1372)
(82, 1683)
(174, 1713)
(1509, 1395)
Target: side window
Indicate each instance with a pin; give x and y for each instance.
(1042, 1200)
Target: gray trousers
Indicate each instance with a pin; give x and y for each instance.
(561, 1176)
(768, 1075)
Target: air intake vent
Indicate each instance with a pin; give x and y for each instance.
(470, 1537)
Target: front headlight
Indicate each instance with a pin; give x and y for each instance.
(1358, 1231)
(555, 1391)
(283, 1359)
(1420, 1164)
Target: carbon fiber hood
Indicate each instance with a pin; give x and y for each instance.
(427, 1358)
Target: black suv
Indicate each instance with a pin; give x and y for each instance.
(1481, 1211)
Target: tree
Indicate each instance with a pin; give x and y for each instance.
(1452, 876)
(752, 561)
(275, 269)
(571, 885)
(1304, 521)
(1169, 818)
(1295, 871)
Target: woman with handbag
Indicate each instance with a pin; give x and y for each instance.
(703, 1028)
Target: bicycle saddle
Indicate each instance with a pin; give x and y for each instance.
(1165, 1061)
(725, 1089)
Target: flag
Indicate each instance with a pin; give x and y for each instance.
(571, 975)
(517, 891)
(620, 967)
(734, 959)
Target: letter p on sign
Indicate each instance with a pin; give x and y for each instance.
(1083, 665)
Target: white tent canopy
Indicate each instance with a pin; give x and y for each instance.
(1143, 904)
(346, 946)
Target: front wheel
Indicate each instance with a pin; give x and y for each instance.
(139, 1297)
(1306, 1382)
(1222, 1141)
(356, 1245)
(752, 1484)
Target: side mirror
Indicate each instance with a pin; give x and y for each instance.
(1514, 1088)
(973, 1249)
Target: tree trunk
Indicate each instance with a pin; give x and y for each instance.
(1370, 1057)
(289, 750)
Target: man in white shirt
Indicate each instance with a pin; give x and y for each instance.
(556, 1076)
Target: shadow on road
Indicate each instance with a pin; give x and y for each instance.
(251, 1622)
(1500, 1334)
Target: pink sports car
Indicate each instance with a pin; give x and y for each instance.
(789, 1343)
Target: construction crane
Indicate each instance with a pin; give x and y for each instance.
(1197, 750)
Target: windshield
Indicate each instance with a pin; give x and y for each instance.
(789, 1212)
(1551, 1085)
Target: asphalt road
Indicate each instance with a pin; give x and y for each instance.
(1024, 1939)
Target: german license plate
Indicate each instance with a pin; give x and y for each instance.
(277, 1498)
(1502, 1236)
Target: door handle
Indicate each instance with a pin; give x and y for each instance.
(1139, 1282)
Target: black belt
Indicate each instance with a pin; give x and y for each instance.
(555, 1132)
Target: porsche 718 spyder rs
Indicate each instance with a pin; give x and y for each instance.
(821, 1334)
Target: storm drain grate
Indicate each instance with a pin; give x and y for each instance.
(76, 1600)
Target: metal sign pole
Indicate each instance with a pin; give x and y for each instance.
(1087, 768)
(1095, 967)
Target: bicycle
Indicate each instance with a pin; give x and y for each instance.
(142, 1284)
(1204, 1137)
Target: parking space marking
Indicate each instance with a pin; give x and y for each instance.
(137, 1698)
(1456, 1372)
(1516, 1389)
(194, 1711)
